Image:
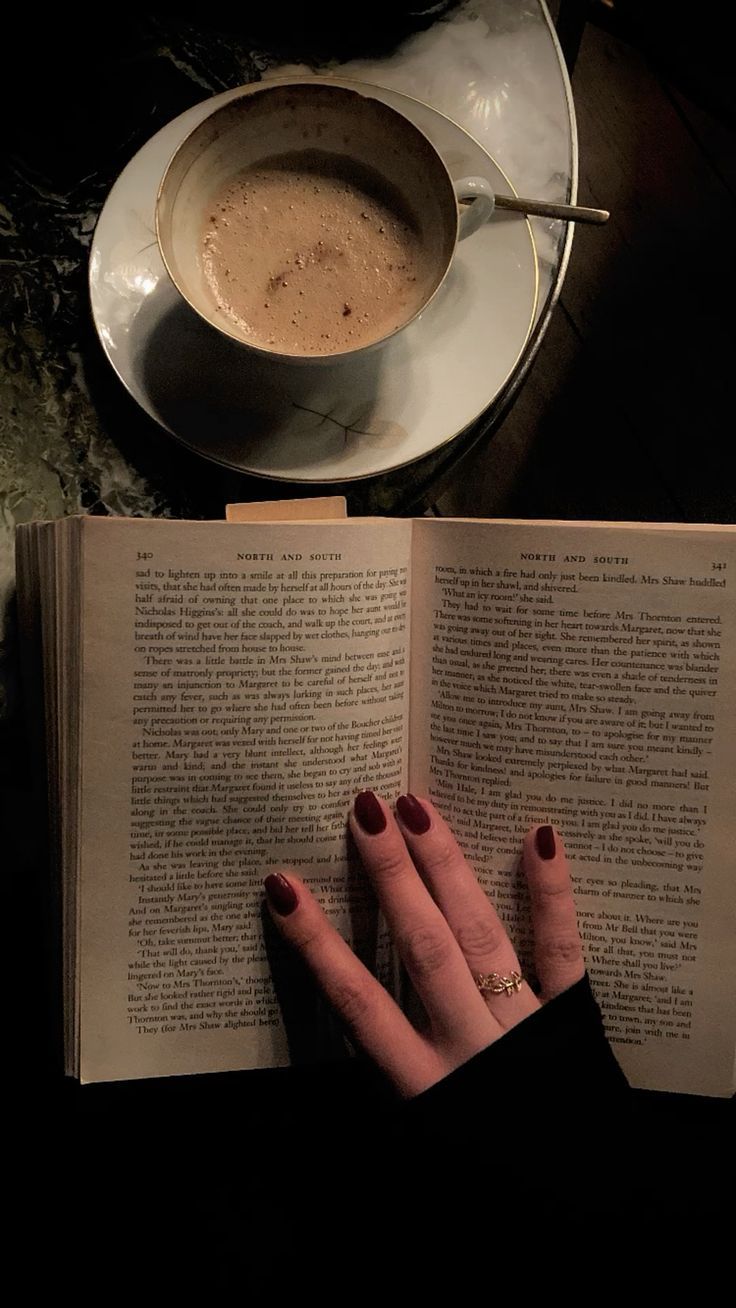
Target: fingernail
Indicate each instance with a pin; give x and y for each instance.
(413, 814)
(369, 814)
(545, 842)
(281, 894)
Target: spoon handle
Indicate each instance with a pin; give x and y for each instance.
(570, 212)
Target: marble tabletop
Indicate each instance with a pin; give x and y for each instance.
(71, 438)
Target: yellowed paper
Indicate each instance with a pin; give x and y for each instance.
(322, 508)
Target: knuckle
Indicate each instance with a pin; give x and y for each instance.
(561, 949)
(351, 1002)
(425, 950)
(389, 864)
(308, 938)
(551, 888)
(442, 857)
(478, 939)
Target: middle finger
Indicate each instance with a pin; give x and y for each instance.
(472, 918)
(428, 949)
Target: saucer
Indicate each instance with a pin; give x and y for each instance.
(313, 422)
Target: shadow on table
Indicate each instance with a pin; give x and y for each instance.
(242, 408)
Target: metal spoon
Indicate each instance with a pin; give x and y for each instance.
(572, 213)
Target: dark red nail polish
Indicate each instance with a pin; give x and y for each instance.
(545, 842)
(369, 814)
(413, 814)
(281, 894)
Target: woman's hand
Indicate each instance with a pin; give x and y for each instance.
(448, 935)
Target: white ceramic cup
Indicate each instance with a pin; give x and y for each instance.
(285, 116)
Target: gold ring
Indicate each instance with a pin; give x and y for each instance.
(495, 984)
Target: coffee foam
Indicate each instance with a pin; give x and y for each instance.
(311, 253)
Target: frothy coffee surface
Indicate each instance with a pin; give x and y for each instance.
(311, 253)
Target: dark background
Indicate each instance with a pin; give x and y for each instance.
(627, 414)
(628, 410)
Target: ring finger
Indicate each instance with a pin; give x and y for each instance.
(469, 913)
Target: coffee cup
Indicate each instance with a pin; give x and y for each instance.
(310, 221)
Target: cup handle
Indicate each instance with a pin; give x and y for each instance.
(472, 216)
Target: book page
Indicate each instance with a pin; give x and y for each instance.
(584, 675)
(240, 684)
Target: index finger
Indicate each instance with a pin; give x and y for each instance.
(558, 949)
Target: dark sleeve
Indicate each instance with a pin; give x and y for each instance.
(543, 1108)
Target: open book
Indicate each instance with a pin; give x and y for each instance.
(217, 692)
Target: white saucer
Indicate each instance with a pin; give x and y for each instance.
(327, 422)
